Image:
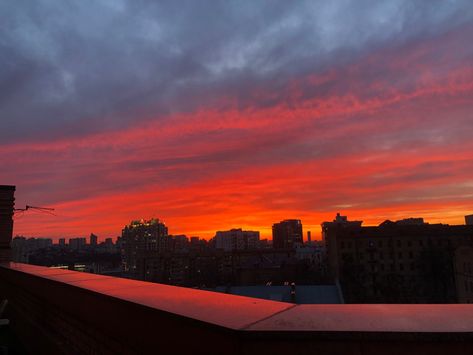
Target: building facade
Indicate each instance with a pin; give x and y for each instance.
(236, 239)
(287, 234)
(77, 243)
(408, 261)
(463, 268)
(140, 239)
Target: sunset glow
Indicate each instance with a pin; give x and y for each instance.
(376, 127)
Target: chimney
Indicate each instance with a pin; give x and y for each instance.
(7, 203)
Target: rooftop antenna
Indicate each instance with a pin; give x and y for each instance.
(40, 209)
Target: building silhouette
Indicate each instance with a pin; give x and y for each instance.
(77, 243)
(7, 203)
(236, 239)
(339, 222)
(287, 234)
(140, 239)
(407, 261)
(469, 220)
(93, 240)
(463, 267)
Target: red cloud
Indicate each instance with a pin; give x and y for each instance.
(386, 137)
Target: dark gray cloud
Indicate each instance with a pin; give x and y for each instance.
(72, 67)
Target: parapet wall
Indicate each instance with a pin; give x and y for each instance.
(61, 311)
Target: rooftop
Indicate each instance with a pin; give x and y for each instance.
(60, 308)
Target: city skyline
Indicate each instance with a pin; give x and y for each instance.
(236, 177)
(467, 220)
(223, 116)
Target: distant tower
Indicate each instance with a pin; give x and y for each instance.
(7, 204)
(93, 240)
(469, 220)
(139, 239)
(287, 234)
(308, 237)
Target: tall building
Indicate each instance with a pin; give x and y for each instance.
(77, 243)
(179, 242)
(22, 248)
(469, 220)
(287, 234)
(62, 242)
(19, 250)
(140, 239)
(339, 222)
(93, 240)
(7, 203)
(407, 261)
(110, 247)
(236, 239)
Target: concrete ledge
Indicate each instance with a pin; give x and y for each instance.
(61, 311)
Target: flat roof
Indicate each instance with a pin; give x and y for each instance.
(252, 314)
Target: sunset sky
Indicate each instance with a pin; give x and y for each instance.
(218, 114)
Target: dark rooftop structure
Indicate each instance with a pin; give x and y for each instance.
(406, 261)
(7, 203)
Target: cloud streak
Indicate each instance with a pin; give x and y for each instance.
(224, 114)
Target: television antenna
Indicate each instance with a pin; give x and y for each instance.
(47, 210)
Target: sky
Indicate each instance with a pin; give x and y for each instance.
(213, 115)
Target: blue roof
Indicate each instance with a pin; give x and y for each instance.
(305, 294)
